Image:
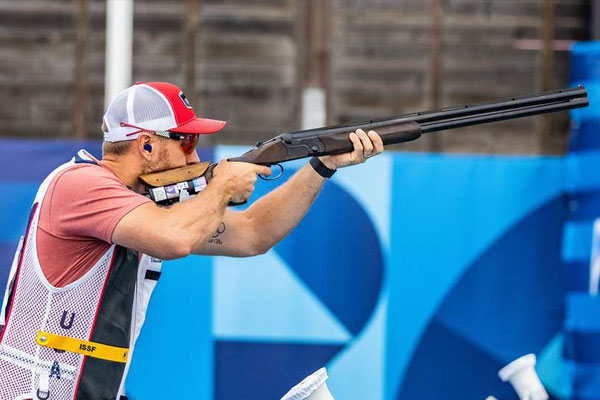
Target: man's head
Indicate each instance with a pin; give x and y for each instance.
(154, 125)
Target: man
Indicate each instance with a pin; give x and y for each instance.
(92, 252)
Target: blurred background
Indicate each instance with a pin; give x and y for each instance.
(416, 275)
(248, 62)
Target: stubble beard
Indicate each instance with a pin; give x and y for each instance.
(158, 165)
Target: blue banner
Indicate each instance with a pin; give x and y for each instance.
(581, 327)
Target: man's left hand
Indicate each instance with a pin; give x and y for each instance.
(365, 146)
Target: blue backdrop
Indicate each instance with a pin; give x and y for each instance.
(413, 276)
(582, 326)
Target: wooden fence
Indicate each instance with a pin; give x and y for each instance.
(248, 61)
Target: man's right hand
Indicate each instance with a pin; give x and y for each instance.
(238, 178)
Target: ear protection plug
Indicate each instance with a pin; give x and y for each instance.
(148, 148)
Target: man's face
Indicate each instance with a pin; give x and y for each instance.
(169, 154)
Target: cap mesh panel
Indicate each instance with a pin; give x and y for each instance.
(148, 105)
(117, 112)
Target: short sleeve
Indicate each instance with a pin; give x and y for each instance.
(88, 201)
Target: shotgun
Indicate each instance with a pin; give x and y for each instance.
(167, 186)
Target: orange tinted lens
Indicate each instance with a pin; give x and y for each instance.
(188, 143)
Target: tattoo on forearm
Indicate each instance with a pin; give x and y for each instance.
(216, 239)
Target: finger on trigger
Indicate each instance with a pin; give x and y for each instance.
(264, 171)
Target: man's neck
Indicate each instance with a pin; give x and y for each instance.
(124, 172)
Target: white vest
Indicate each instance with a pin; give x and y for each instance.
(107, 305)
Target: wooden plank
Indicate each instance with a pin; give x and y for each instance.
(595, 19)
(189, 56)
(544, 128)
(436, 67)
(80, 92)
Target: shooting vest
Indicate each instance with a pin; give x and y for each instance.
(74, 342)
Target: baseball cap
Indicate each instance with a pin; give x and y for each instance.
(153, 106)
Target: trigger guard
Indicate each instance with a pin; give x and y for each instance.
(272, 178)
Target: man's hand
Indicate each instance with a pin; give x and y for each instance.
(238, 178)
(365, 146)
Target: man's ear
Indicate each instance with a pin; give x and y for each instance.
(144, 145)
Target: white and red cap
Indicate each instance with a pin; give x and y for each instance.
(153, 106)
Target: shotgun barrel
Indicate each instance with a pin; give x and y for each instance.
(334, 139)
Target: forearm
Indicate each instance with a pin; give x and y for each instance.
(198, 218)
(274, 215)
(172, 232)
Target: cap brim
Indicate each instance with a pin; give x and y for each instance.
(200, 126)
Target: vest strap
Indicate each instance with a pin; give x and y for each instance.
(87, 348)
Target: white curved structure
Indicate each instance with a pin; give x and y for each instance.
(313, 387)
(523, 378)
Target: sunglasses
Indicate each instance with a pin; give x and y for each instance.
(188, 142)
